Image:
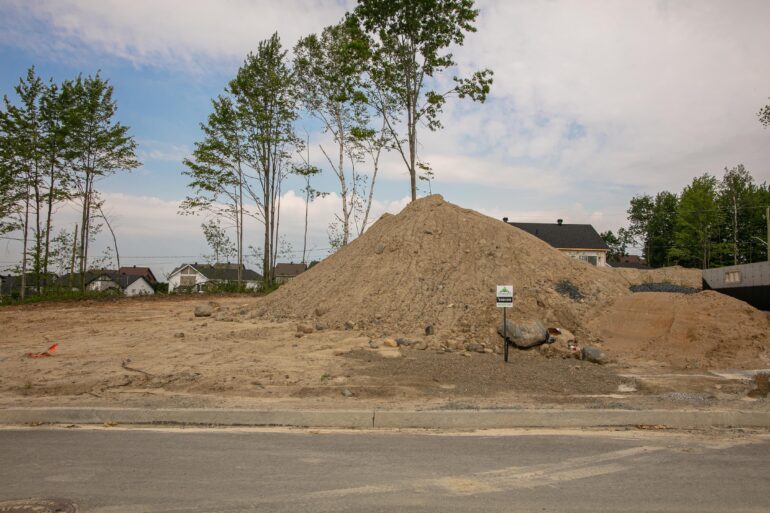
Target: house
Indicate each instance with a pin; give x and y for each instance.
(144, 272)
(136, 284)
(285, 272)
(579, 241)
(196, 276)
(630, 262)
(747, 282)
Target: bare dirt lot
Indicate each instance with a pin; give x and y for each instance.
(153, 352)
(403, 316)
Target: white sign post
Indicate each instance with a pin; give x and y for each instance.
(505, 300)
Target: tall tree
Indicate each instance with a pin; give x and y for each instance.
(98, 146)
(21, 125)
(329, 70)
(661, 228)
(266, 103)
(410, 41)
(735, 195)
(640, 214)
(216, 171)
(696, 223)
(307, 171)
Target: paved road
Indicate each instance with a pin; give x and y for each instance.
(176, 471)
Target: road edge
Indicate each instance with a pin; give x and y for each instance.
(367, 419)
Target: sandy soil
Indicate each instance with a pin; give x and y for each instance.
(131, 352)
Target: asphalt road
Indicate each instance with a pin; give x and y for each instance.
(137, 470)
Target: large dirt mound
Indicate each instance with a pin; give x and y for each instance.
(703, 330)
(436, 264)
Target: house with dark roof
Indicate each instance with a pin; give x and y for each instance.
(284, 272)
(579, 241)
(144, 272)
(194, 277)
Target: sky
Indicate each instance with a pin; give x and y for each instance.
(593, 102)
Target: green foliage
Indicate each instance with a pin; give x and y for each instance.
(218, 241)
(618, 244)
(696, 223)
(764, 115)
(409, 42)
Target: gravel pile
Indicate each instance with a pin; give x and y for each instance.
(662, 287)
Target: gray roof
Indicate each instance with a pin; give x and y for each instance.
(565, 236)
(289, 270)
(222, 272)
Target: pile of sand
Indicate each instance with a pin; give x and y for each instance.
(437, 264)
(703, 330)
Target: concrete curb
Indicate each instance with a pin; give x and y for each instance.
(440, 419)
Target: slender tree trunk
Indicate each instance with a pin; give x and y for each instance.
(735, 231)
(74, 253)
(239, 227)
(112, 232)
(49, 214)
(307, 208)
(267, 250)
(23, 291)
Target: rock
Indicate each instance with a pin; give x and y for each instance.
(215, 305)
(480, 348)
(203, 310)
(421, 346)
(404, 342)
(593, 355)
(429, 330)
(489, 350)
(524, 334)
(389, 342)
(319, 326)
(379, 249)
(179, 335)
(347, 393)
(373, 344)
(349, 325)
(299, 335)
(320, 311)
(304, 328)
(474, 347)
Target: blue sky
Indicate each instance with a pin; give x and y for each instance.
(592, 103)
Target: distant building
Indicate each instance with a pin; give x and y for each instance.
(144, 272)
(285, 272)
(579, 241)
(630, 262)
(194, 277)
(747, 282)
(136, 284)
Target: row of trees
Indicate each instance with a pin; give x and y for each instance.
(57, 141)
(711, 223)
(368, 80)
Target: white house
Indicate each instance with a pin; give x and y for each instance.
(196, 276)
(129, 285)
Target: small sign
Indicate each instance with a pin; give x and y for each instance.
(504, 296)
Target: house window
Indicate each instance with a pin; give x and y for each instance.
(732, 277)
(588, 258)
(187, 281)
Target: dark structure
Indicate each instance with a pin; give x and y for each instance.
(747, 282)
(579, 241)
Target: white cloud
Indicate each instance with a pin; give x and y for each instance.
(190, 33)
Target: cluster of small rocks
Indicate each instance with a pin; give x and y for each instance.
(662, 287)
(568, 289)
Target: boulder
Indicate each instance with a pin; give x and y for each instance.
(593, 355)
(524, 334)
(204, 310)
(389, 342)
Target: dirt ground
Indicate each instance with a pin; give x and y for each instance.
(152, 352)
